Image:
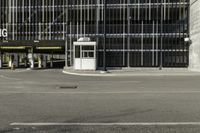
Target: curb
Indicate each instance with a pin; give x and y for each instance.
(195, 70)
(89, 75)
(130, 75)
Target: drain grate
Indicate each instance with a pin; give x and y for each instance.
(68, 87)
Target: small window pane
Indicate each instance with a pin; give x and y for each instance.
(87, 54)
(91, 54)
(77, 52)
(88, 48)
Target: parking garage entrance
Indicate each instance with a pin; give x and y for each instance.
(27, 54)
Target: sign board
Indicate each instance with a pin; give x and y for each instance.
(3, 33)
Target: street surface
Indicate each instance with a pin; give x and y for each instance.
(49, 101)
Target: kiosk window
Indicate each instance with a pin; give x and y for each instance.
(88, 48)
(88, 51)
(88, 54)
(77, 51)
(91, 54)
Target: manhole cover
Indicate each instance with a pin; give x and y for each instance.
(68, 87)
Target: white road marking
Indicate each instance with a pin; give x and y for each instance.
(110, 124)
(5, 77)
(103, 92)
(16, 128)
(20, 71)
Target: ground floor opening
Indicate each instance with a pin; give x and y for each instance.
(58, 54)
(27, 54)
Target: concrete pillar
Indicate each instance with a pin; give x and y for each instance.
(9, 63)
(31, 59)
(26, 60)
(51, 61)
(44, 61)
(16, 60)
(39, 61)
(194, 56)
(11, 59)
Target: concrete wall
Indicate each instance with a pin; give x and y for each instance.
(195, 34)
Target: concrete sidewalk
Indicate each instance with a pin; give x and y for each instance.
(135, 72)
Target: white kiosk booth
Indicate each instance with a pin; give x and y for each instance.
(84, 54)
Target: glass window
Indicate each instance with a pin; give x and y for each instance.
(91, 54)
(88, 48)
(77, 51)
(88, 54)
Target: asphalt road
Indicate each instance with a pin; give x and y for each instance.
(48, 101)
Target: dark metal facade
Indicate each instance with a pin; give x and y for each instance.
(136, 33)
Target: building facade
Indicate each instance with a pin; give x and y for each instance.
(195, 34)
(129, 33)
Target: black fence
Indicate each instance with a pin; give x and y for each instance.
(139, 33)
